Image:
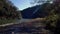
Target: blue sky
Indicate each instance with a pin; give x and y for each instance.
(21, 4)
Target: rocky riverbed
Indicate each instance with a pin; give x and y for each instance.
(35, 27)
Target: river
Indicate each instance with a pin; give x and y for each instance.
(23, 28)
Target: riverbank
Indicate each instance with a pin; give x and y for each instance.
(33, 27)
(22, 21)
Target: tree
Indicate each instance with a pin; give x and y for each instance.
(53, 19)
(8, 11)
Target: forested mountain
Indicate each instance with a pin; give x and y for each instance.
(28, 13)
(35, 12)
(8, 11)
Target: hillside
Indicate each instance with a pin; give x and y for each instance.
(35, 12)
(8, 12)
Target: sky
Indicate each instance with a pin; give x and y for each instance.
(21, 4)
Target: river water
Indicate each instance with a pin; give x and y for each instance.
(17, 29)
(21, 28)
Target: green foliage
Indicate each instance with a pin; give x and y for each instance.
(53, 19)
(6, 21)
(8, 11)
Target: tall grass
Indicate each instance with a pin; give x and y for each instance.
(5, 21)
